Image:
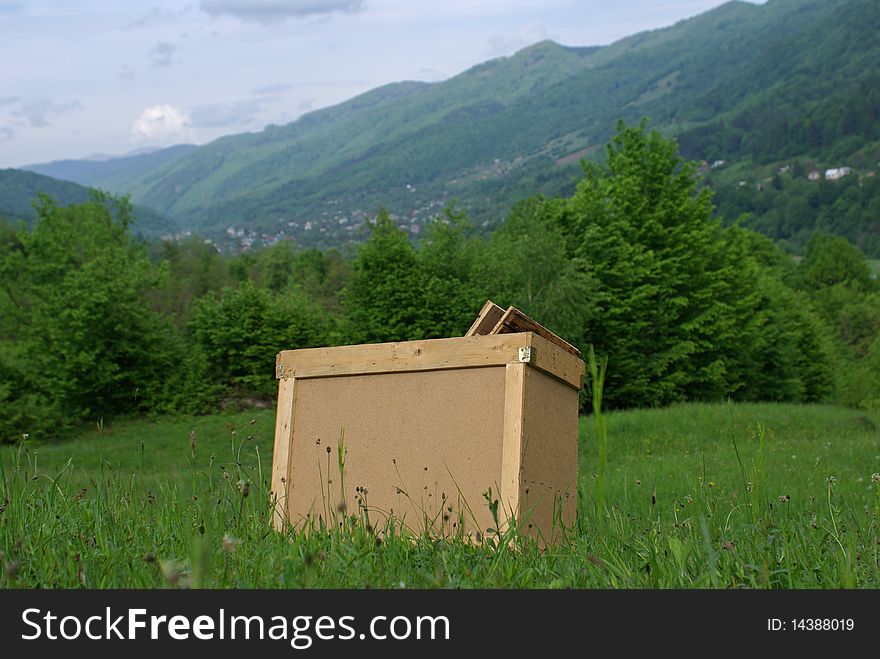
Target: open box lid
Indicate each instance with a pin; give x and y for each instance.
(492, 319)
(512, 338)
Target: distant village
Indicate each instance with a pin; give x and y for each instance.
(332, 226)
(831, 174)
(336, 225)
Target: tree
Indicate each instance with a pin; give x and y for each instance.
(791, 357)
(79, 333)
(321, 276)
(384, 299)
(274, 266)
(673, 291)
(240, 330)
(194, 268)
(831, 260)
(527, 264)
(447, 261)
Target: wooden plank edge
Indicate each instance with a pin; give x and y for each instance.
(281, 451)
(431, 354)
(418, 356)
(486, 319)
(556, 362)
(511, 444)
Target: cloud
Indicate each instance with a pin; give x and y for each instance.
(270, 90)
(224, 115)
(268, 11)
(506, 44)
(162, 124)
(307, 105)
(6, 133)
(159, 17)
(8, 100)
(170, 124)
(37, 112)
(126, 72)
(162, 54)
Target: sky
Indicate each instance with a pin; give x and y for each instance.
(81, 78)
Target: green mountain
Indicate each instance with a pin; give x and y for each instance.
(742, 83)
(115, 173)
(19, 191)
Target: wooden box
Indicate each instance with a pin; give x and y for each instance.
(427, 430)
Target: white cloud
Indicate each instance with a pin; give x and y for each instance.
(267, 11)
(157, 17)
(162, 124)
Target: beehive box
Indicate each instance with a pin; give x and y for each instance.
(432, 434)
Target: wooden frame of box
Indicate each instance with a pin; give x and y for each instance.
(428, 429)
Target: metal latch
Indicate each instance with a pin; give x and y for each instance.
(527, 355)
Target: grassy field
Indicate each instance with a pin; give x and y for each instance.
(729, 496)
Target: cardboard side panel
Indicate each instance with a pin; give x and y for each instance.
(548, 479)
(421, 446)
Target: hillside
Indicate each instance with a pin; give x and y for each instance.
(19, 190)
(117, 174)
(742, 83)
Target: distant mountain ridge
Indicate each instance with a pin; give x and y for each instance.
(19, 190)
(740, 81)
(114, 173)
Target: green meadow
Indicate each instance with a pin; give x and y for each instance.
(689, 496)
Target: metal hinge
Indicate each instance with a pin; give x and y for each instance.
(527, 355)
(279, 371)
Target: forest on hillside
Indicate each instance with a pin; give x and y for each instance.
(95, 324)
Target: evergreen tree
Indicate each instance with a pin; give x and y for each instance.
(791, 357)
(447, 260)
(384, 299)
(527, 265)
(674, 293)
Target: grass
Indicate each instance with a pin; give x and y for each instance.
(698, 495)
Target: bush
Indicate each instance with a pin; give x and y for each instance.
(76, 322)
(240, 331)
